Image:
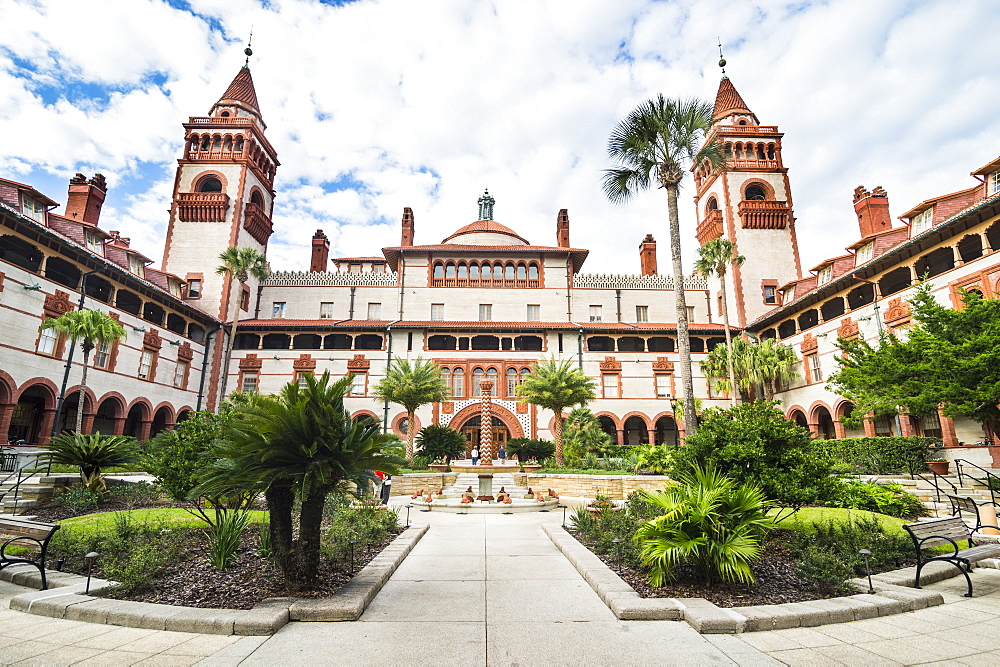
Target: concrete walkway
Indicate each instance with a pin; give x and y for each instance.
(493, 590)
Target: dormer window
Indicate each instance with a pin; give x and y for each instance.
(224, 114)
(94, 243)
(825, 275)
(993, 183)
(864, 253)
(175, 288)
(33, 208)
(921, 222)
(135, 265)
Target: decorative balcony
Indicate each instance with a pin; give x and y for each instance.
(764, 214)
(710, 228)
(202, 206)
(257, 223)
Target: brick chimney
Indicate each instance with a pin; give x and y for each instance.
(320, 260)
(86, 198)
(407, 239)
(872, 209)
(647, 256)
(562, 228)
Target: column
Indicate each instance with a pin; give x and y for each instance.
(48, 416)
(119, 427)
(652, 436)
(948, 437)
(142, 433)
(869, 427)
(838, 429)
(6, 414)
(621, 437)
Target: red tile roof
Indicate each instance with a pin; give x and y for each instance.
(728, 101)
(491, 226)
(242, 90)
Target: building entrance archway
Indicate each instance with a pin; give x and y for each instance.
(472, 430)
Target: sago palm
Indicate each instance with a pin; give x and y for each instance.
(709, 522)
(556, 385)
(297, 446)
(412, 384)
(90, 328)
(91, 453)
(654, 145)
(239, 264)
(715, 258)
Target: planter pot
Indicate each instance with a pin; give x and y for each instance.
(531, 468)
(598, 510)
(938, 467)
(438, 467)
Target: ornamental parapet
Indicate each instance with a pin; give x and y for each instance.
(594, 281)
(330, 279)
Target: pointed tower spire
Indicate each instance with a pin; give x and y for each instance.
(241, 92)
(728, 102)
(486, 206)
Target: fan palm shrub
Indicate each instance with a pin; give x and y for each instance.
(710, 522)
(92, 454)
(714, 258)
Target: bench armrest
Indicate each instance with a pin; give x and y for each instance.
(954, 545)
(18, 538)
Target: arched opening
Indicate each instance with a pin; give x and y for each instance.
(99, 288)
(438, 271)
(786, 329)
(176, 323)
(528, 344)
(895, 281)
(713, 343)
(485, 343)
(832, 308)
(449, 271)
(129, 302)
(661, 344)
(246, 341)
(337, 342)
(532, 272)
(26, 421)
(846, 409)
(697, 344)
(70, 405)
(935, 263)
(631, 344)
(970, 247)
(183, 416)
(608, 426)
(666, 432)
(463, 271)
(442, 342)
(509, 271)
(860, 296)
(160, 420)
(712, 205)
(799, 418)
(257, 199)
(993, 236)
(306, 342)
(472, 430)
(276, 341)
(755, 192)
(20, 253)
(137, 414)
(60, 271)
(636, 431)
(107, 412)
(600, 344)
(824, 424)
(522, 272)
(808, 319)
(153, 313)
(210, 184)
(368, 342)
(196, 333)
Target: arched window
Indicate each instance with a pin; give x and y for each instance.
(493, 376)
(533, 271)
(256, 198)
(463, 271)
(497, 271)
(525, 372)
(478, 375)
(511, 382)
(487, 272)
(224, 114)
(449, 271)
(438, 271)
(522, 272)
(713, 204)
(239, 144)
(210, 184)
(474, 271)
(755, 193)
(458, 382)
(509, 273)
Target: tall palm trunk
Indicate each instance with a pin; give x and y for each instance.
(683, 337)
(233, 314)
(557, 435)
(729, 340)
(83, 389)
(410, 433)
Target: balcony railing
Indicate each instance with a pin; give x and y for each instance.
(491, 284)
(764, 214)
(746, 129)
(215, 155)
(710, 228)
(754, 164)
(257, 222)
(222, 120)
(202, 206)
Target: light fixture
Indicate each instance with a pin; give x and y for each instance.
(90, 566)
(174, 342)
(822, 335)
(864, 319)
(277, 358)
(139, 329)
(32, 288)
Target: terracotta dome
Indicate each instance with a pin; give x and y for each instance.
(485, 232)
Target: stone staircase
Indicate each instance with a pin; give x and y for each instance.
(467, 479)
(33, 491)
(925, 491)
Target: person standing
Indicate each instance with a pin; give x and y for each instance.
(475, 456)
(379, 480)
(502, 454)
(386, 489)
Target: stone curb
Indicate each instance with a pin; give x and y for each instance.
(891, 596)
(65, 598)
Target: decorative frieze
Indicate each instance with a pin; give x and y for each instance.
(610, 364)
(250, 363)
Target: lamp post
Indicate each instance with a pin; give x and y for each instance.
(69, 362)
(563, 507)
(90, 567)
(352, 542)
(866, 554)
(408, 515)
(618, 552)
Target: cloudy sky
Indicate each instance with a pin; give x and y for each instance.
(379, 104)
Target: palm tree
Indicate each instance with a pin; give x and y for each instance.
(91, 453)
(299, 445)
(91, 328)
(656, 141)
(759, 369)
(241, 264)
(556, 385)
(412, 384)
(715, 257)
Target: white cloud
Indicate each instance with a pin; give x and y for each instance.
(425, 103)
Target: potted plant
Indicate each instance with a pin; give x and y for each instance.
(531, 465)
(938, 466)
(601, 503)
(439, 465)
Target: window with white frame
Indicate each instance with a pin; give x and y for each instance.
(815, 372)
(358, 384)
(194, 288)
(486, 312)
(278, 310)
(458, 382)
(993, 183)
(326, 310)
(47, 341)
(864, 253)
(534, 312)
(595, 313)
(146, 364)
(102, 355)
(135, 265)
(180, 374)
(609, 382)
(690, 313)
(825, 275)
(642, 313)
(300, 378)
(33, 208)
(354, 268)
(374, 311)
(94, 243)
(921, 222)
(249, 384)
(662, 386)
(437, 311)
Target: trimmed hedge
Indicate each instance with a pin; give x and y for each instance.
(879, 456)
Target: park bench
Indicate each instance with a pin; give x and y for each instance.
(960, 505)
(32, 535)
(948, 531)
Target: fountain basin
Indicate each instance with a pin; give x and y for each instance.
(455, 506)
(494, 469)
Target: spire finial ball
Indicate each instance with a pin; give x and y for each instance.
(248, 51)
(722, 62)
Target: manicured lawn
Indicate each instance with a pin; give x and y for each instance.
(805, 517)
(172, 517)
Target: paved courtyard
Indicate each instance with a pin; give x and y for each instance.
(493, 590)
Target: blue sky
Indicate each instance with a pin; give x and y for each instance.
(377, 105)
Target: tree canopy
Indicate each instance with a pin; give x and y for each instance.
(950, 357)
(412, 384)
(556, 385)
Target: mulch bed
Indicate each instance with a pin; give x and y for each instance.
(777, 581)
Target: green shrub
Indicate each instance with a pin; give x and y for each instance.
(583, 437)
(366, 525)
(224, 539)
(709, 521)
(879, 456)
(526, 449)
(133, 494)
(889, 498)
(654, 458)
(440, 442)
(754, 444)
(92, 454)
(77, 499)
